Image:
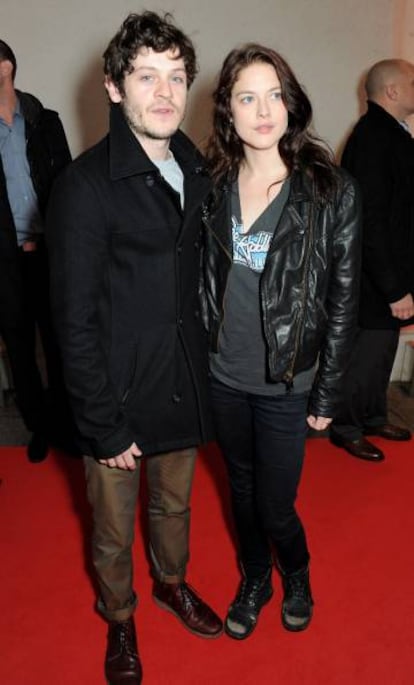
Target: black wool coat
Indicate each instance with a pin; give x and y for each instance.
(380, 155)
(125, 265)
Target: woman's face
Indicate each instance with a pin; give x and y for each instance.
(260, 117)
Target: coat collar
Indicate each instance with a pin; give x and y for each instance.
(128, 158)
(379, 114)
(30, 107)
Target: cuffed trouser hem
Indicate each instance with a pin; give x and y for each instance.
(169, 580)
(117, 614)
(164, 577)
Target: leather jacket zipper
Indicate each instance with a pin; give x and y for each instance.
(288, 376)
(230, 257)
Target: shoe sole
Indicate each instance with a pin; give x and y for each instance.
(243, 636)
(125, 681)
(166, 607)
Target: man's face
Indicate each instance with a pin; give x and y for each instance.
(405, 90)
(6, 70)
(155, 94)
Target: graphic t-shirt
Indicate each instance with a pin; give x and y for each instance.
(241, 359)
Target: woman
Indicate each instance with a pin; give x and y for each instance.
(280, 299)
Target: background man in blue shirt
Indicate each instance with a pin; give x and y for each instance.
(33, 149)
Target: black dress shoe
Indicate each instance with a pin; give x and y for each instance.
(389, 432)
(244, 611)
(360, 448)
(122, 663)
(37, 448)
(182, 601)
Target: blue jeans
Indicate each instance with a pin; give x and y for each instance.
(263, 442)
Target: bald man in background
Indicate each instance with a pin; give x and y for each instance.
(380, 155)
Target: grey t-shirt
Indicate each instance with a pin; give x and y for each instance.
(171, 171)
(241, 359)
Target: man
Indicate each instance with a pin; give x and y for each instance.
(33, 149)
(124, 246)
(380, 154)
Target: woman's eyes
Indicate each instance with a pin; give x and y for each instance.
(247, 99)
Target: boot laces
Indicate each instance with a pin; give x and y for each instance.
(296, 586)
(126, 638)
(189, 595)
(250, 590)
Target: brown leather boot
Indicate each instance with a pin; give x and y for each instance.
(122, 663)
(182, 601)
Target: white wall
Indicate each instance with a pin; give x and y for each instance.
(329, 44)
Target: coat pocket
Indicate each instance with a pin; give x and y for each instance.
(127, 374)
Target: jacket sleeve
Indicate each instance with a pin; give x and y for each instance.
(60, 153)
(48, 153)
(370, 162)
(78, 244)
(341, 303)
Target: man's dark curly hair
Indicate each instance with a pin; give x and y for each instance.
(146, 30)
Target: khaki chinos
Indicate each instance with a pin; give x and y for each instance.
(113, 494)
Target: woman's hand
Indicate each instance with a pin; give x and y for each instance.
(318, 423)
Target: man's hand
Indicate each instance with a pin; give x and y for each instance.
(125, 460)
(318, 423)
(403, 309)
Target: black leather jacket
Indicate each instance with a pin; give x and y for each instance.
(308, 289)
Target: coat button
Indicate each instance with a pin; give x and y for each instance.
(180, 322)
(197, 313)
(196, 245)
(176, 398)
(179, 250)
(149, 180)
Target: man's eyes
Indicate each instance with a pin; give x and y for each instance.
(148, 78)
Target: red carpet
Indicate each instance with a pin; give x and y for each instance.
(359, 518)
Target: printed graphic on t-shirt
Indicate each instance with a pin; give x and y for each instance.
(249, 249)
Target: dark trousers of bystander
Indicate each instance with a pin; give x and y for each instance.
(366, 382)
(24, 304)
